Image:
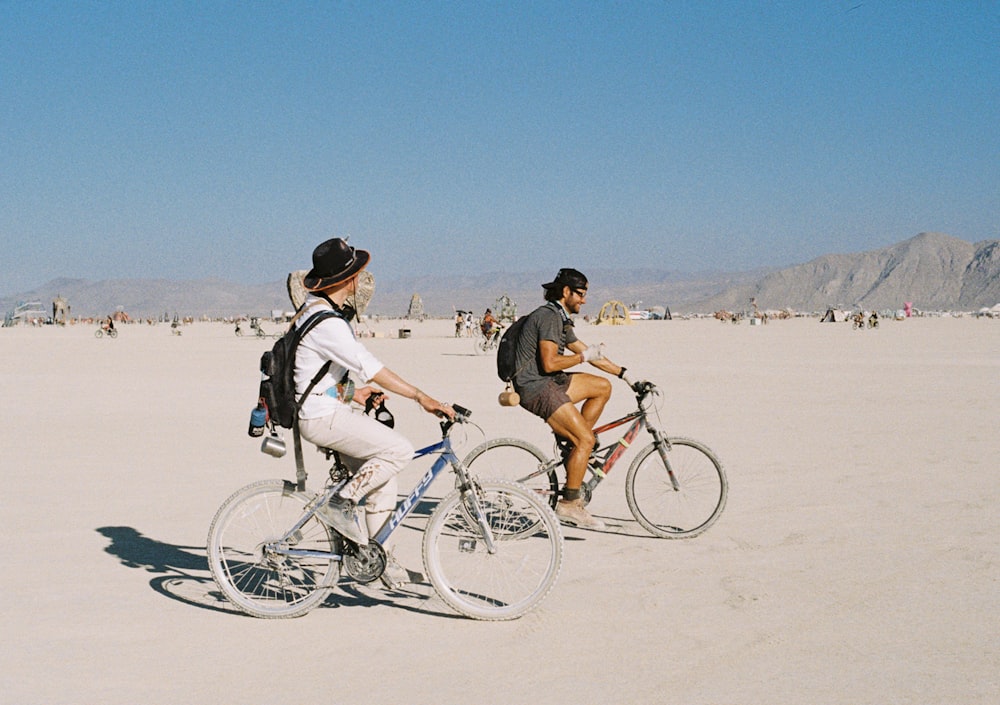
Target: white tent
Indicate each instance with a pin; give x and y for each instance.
(833, 315)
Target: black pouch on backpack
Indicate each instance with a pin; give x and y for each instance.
(277, 368)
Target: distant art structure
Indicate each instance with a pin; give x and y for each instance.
(296, 289)
(614, 313)
(416, 309)
(363, 292)
(506, 310)
(60, 310)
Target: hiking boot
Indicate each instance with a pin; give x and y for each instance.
(573, 513)
(394, 576)
(342, 515)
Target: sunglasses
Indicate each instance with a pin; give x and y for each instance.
(582, 293)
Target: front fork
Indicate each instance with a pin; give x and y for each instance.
(470, 490)
(662, 444)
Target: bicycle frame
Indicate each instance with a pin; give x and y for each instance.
(446, 459)
(406, 506)
(618, 448)
(614, 451)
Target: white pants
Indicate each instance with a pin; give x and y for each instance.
(376, 451)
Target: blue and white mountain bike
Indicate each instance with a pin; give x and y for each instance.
(492, 548)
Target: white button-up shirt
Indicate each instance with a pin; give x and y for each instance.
(334, 340)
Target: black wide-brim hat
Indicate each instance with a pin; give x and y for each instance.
(334, 261)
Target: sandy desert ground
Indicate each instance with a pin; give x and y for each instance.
(857, 560)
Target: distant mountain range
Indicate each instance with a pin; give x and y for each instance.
(931, 270)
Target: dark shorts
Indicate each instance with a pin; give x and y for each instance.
(550, 397)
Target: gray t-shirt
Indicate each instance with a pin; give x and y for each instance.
(548, 322)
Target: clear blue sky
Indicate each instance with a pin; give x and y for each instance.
(216, 139)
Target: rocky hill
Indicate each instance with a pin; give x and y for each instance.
(931, 270)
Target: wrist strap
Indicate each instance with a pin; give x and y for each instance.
(621, 375)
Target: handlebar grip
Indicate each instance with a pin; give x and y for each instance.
(461, 413)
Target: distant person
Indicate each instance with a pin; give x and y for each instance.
(551, 393)
(326, 418)
(488, 324)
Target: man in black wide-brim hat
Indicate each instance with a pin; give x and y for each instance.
(327, 417)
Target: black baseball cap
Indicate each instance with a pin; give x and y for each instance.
(572, 278)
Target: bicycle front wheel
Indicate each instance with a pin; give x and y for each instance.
(517, 460)
(244, 544)
(519, 571)
(683, 511)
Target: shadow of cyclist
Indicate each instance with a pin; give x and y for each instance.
(137, 551)
(179, 574)
(184, 576)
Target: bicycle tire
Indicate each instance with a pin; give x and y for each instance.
(261, 585)
(514, 459)
(98, 333)
(511, 581)
(687, 511)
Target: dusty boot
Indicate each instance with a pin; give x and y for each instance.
(342, 515)
(573, 512)
(394, 576)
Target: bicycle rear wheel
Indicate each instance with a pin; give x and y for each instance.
(689, 509)
(524, 565)
(256, 579)
(517, 460)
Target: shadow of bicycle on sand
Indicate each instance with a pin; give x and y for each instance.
(181, 573)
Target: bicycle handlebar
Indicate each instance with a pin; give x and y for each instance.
(461, 416)
(643, 387)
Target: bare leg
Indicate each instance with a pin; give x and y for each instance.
(593, 391)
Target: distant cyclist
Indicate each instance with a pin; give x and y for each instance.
(488, 325)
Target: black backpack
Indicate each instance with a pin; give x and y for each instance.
(277, 367)
(507, 350)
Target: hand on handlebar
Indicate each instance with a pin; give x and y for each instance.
(433, 406)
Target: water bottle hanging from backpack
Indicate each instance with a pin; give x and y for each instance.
(258, 419)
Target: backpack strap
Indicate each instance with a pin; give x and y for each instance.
(299, 333)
